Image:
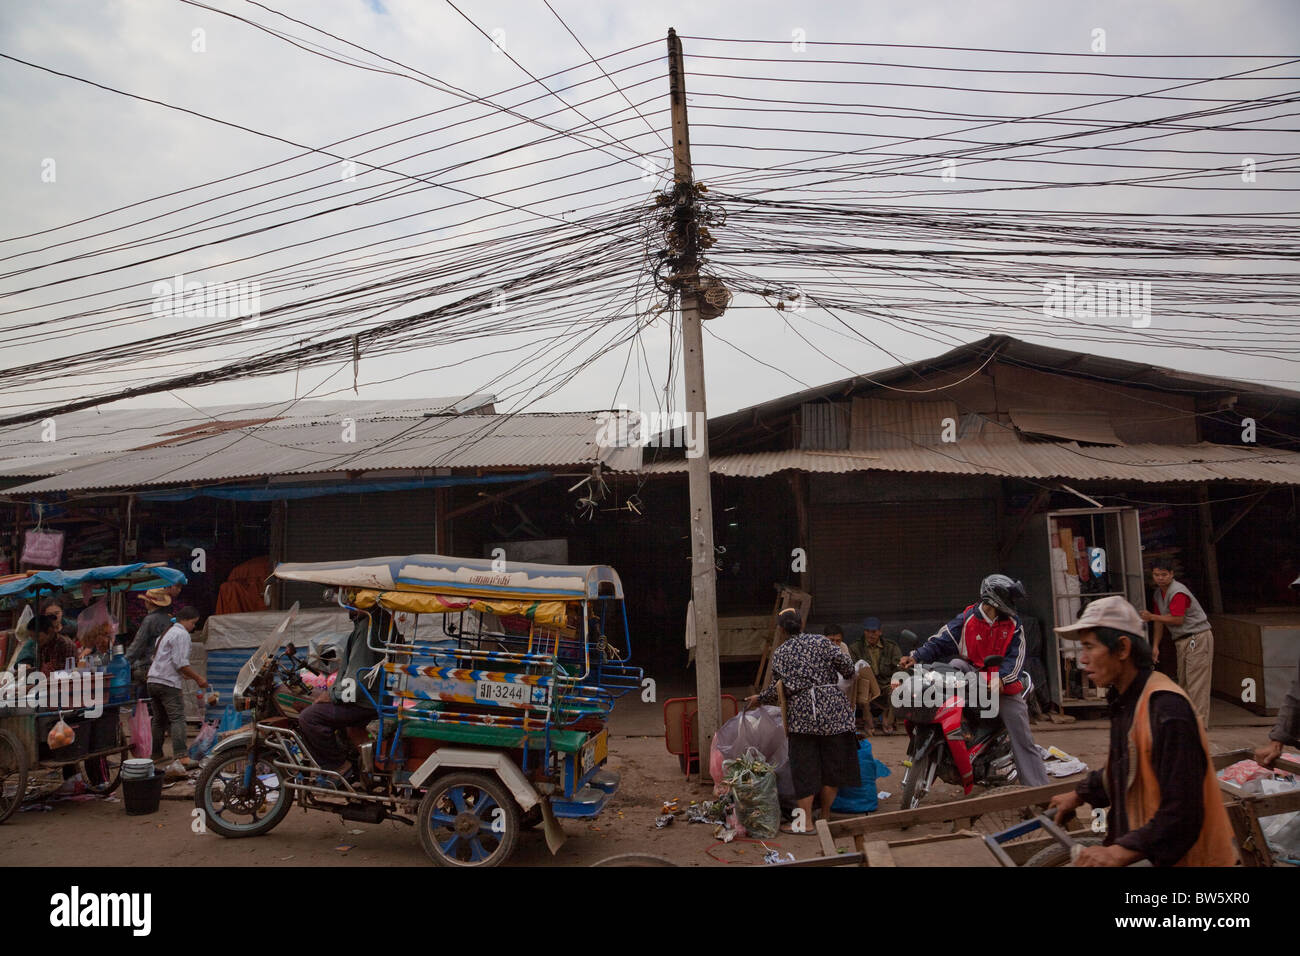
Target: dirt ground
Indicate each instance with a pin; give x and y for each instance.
(98, 831)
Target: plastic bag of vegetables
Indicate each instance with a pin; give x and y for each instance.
(753, 783)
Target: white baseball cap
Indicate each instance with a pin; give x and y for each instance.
(1114, 612)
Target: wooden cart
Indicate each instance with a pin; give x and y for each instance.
(964, 846)
(1245, 809)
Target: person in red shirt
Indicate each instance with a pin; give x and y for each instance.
(1173, 606)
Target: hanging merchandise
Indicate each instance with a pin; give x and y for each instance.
(141, 728)
(43, 548)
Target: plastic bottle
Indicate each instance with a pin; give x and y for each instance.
(119, 676)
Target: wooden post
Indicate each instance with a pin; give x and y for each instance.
(1209, 552)
(708, 685)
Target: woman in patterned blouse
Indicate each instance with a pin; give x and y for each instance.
(819, 718)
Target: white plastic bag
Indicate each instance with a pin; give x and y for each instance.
(760, 728)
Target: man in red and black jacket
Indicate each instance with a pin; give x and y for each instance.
(987, 629)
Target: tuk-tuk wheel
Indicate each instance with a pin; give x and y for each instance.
(468, 819)
(13, 774)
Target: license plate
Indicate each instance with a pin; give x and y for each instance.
(595, 751)
(503, 693)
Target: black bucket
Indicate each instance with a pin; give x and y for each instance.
(142, 796)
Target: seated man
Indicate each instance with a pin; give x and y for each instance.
(883, 656)
(990, 628)
(345, 704)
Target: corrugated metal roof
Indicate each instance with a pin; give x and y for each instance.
(1028, 354)
(451, 441)
(26, 450)
(1092, 427)
(888, 423)
(1145, 463)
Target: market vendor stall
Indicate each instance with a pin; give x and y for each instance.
(68, 718)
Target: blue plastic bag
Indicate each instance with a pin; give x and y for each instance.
(206, 740)
(229, 720)
(862, 799)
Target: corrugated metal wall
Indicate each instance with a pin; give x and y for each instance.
(900, 559)
(337, 527)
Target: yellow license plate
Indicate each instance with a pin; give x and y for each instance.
(595, 751)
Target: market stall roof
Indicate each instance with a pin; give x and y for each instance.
(1025, 459)
(102, 580)
(433, 573)
(90, 435)
(332, 448)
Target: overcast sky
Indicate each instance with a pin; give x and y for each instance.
(70, 151)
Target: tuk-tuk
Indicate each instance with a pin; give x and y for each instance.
(490, 699)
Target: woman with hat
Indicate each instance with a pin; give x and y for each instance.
(1158, 784)
(155, 624)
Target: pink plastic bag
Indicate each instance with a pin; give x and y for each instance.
(141, 728)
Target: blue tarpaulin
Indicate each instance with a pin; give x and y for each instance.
(119, 577)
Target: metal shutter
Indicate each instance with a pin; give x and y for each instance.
(900, 560)
(339, 527)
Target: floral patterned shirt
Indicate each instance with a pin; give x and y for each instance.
(808, 665)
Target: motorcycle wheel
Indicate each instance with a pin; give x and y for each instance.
(459, 822)
(233, 812)
(918, 779)
(1057, 855)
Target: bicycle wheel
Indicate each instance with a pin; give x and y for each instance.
(13, 774)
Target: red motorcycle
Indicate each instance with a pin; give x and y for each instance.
(953, 735)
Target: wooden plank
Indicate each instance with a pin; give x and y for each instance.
(1250, 838)
(824, 837)
(877, 853)
(968, 851)
(1014, 799)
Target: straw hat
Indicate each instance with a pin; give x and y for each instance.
(158, 596)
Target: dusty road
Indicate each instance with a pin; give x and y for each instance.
(99, 832)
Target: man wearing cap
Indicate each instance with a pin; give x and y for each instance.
(883, 657)
(1175, 607)
(155, 624)
(1158, 785)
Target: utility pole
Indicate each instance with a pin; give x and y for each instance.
(708, 687)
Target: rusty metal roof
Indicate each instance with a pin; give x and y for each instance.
(538, 440)
(1025, 459)
(33, 449)
(1092, 427)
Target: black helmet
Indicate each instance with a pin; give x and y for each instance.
(1002, 592)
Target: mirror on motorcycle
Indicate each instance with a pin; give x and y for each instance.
(993, 660)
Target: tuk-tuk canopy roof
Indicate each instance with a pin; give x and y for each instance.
(461, 576)
(111, 578)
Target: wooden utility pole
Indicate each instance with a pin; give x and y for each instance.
(708, 687)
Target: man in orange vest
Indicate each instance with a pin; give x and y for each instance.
(1158, 784)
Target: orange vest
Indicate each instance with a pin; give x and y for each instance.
(1215, 845)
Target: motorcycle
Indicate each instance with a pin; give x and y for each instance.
(950, 737)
